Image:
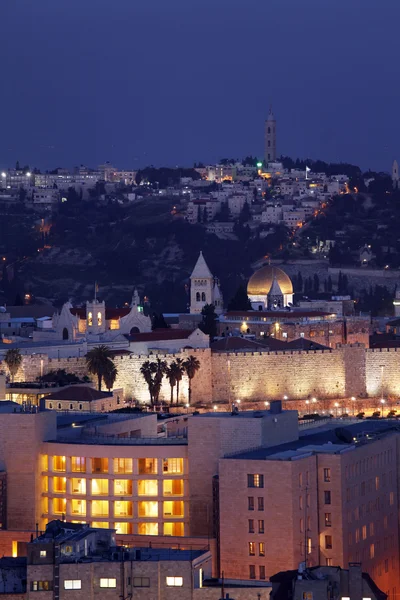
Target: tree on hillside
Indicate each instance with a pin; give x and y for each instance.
(158, 322)
(240, 301)
(209, 321)
(192, 365)
(245, 214)
(98, 362)
(13, 360)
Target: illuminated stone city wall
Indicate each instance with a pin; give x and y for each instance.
(337, 373)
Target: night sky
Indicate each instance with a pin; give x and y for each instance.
(140, 82)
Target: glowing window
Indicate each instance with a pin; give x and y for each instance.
(122, 465)
(58, 463)
(90, 319)
(173, 508)
(122, 487)
(100, 487)
(78, 464)
(100, 508)
(59, 485)
(173, 465)
(100, 465)
(148, 528)
(99, 319)
(148, 509)
(174, 581)
(78, 507)
(72, 584)
(123, 528)
(147, 487)
(122, 508)
(108, 582)
(78, 486)
(173, 487)
(176, 529)
(147, 466)
(100, 525)
(59, 506)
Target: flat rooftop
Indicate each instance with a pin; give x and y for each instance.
(325, 440)
(244, 414)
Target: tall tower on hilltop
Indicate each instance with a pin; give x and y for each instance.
(204, 288)
(270, 137)
(395, 175)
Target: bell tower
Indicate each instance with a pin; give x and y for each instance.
(270, 137)
(201, 286)
(95, 317)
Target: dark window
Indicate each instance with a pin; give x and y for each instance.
(197, 296)
(327, 497)
(252, 571)
(328, 520)
(251, 503)
(261, 504)
(262, 572)
(203, 297)
(141, 582)
(261, 526)
(328, 542)
(65, 333)
(251, 525)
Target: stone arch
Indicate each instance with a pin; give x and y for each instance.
(260, 307)
(197, 296)
(65, 334)
(134, 330)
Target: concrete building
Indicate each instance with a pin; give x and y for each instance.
(330, 497)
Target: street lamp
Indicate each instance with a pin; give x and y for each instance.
(353, 400)
(237, 401)
(285, 397)
(266, 403)
(215, 408)
(336, 406)
(382, 402)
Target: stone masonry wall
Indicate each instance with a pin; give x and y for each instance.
(342, 372)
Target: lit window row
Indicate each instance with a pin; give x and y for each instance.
(145, 466)
(122, 508)
(105, 582)
(122, 487)
(149, 528)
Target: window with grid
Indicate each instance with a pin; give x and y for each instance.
(72, 584)
(262, 572)
(252, 549)
(108, 582)
(251, 525)
(250, 503)
(261, 528)
(255, 480)
(260, 503)
(141, 582)
(252, 571)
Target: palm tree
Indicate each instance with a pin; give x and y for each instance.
(147, 370)
(180, 369)
(13, 360)
(191, 366)
(98, 361)
(159, 370)
(171, 373)
(110, 375)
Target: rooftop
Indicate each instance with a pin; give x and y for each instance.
(78, 393)
(330, 438)
(160, 335)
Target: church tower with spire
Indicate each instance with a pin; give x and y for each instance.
(204, 288)
(270, 137)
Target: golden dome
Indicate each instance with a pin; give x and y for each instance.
(261, 281)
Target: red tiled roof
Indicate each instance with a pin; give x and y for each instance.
(78, 393)
(161, 334)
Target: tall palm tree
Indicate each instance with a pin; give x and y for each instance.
(13, 360)
(110, 375)
(171, 373)
(98, 361)
(147, 370)
(180, 369)
(191, 365)
(159, 371)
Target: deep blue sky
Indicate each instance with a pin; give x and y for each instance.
(158, 82)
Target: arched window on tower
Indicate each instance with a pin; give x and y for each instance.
(203, 297)
(99, 319)
(269, 129)
(90, 319)
(197, 296)
(65, 333)
(269, 143)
